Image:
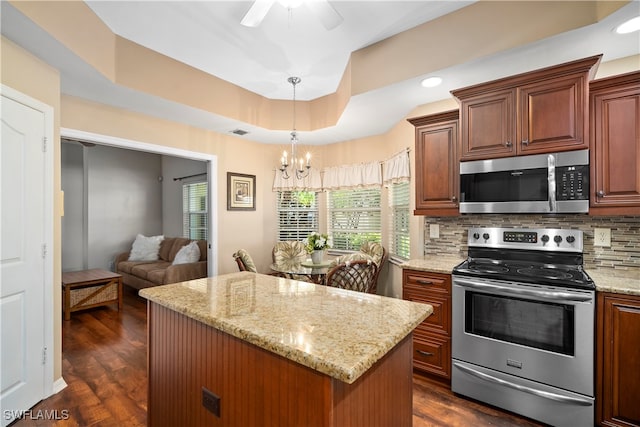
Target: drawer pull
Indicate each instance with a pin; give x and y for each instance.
(424, 282)
(424, 353)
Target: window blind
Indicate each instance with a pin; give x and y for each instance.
(399, 241)
(354, 217)
(194, 210)
(297, 214)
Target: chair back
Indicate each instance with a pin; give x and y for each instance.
(359, 275)
(244, 261)
(377, 252)
(288, 251)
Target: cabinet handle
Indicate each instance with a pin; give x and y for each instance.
(424, 353)
(600, 193)
(525, 142)
(454, 199)
(508, 144)
(425, 282)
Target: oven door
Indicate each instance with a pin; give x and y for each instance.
(540, 333)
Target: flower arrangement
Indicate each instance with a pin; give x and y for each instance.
(316, 242)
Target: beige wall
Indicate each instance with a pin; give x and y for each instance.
(27, 74)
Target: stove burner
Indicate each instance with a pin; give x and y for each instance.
(487, 266)
(548, 272)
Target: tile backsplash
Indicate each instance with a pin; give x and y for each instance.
(622, 255)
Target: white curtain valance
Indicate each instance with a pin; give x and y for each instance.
(396, 169)
(311, 182)
(364, 175)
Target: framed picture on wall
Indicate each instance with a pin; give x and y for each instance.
(241, 192)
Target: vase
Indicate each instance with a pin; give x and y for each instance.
(317, 257)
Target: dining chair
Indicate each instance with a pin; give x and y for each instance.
(244, 261)
(289, 250)
(293, 252)
(377, 252)
(356, 275)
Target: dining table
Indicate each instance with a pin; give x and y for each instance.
(302, 268)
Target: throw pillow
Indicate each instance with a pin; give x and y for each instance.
(187, 254)
(145, 248)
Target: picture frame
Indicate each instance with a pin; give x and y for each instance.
(241, 192)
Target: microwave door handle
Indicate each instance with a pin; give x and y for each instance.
(551, 170)
(551, 295)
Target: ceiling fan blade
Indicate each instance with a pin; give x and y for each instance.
(329, 17)
(256, 13)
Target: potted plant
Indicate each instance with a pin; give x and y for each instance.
(316, 244)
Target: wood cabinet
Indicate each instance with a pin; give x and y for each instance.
(542, 111)
(618, 360)
(437, 167)
(615, 153)
(432, 338)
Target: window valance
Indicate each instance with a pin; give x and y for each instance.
(396, 169)
(311, 182)
(363, 175)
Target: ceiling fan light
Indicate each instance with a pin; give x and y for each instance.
(629, 26)
(431, 82)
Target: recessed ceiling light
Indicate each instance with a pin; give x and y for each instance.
(431, 81)
(629, 26)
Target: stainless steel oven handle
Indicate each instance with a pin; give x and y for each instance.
(551, 295)
(525, 389)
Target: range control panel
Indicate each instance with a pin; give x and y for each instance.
(551, 239)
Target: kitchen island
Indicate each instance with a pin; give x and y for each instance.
(247, 349)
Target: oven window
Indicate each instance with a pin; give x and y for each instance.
(543, 325)
(528, 185)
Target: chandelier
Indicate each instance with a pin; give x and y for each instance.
(298, 165)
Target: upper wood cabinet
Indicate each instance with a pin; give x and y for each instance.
(541, 111)
(615, 143)
(437, 164)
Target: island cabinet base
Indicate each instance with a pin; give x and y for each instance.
(259, 388)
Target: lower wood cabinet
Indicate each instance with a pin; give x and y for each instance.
(618, 360)
(432, 338)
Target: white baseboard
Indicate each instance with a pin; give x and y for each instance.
(59, 385)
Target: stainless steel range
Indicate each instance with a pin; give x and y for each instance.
(523, 324)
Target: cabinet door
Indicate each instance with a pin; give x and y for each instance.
(488, 125)
(437, 169)
(432, 338)
(615, 122)
(553, 115)
(618, 376)
(432, 354)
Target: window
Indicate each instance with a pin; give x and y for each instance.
(194, 210)
(354, 217)
(297, 214)
(399, 243)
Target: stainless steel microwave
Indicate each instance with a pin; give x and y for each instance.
(541, 183)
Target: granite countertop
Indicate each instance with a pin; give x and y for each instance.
(336, 332)
(619, 282)
(606, 280)
(434, 264)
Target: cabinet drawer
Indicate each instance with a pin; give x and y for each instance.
(432, 354)
(428, 282)
(439, 320)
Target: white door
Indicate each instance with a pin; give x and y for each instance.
(22, 260)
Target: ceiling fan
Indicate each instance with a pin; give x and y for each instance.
(329, 17)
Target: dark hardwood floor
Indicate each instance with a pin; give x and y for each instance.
(104, 364)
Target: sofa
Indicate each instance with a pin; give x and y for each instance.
(145, 274)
